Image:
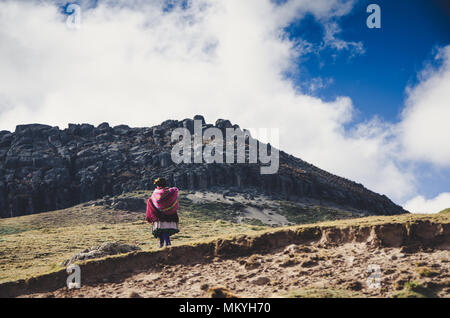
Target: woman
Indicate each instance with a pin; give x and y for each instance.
(162, 209)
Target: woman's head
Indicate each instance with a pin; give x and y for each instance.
(160, 182)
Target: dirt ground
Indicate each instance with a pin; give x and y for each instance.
(289, 272)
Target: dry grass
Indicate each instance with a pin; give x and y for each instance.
(321, 293)
(35, 244)
(413, 289)
(426, 272)
(221, 292)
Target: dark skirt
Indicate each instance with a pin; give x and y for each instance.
(159, 227)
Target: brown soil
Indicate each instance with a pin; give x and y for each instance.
(271, 264)
(341, 267)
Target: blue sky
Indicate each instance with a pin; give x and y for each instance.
(393, 55)
(376, 79)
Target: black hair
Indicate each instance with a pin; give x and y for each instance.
(161, 182)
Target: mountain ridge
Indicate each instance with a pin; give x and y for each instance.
(43, 168)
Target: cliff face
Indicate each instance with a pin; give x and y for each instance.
(43, 168)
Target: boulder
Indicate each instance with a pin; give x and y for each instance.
(189, 125)
(100, 251)
(201, 118)
(130, 204)
(222, 124)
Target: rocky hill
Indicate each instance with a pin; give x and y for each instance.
(44, 168)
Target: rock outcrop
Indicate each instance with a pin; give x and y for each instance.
(105, 249)
(44, 168)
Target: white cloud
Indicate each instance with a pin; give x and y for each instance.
(420, 204)
(425, 127)
(330, 40)
(131, 63)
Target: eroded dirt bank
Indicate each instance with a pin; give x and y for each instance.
(341, 269)
(269, 264)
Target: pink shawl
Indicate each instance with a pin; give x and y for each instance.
(162, 205)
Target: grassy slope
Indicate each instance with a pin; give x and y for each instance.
(34, 244)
